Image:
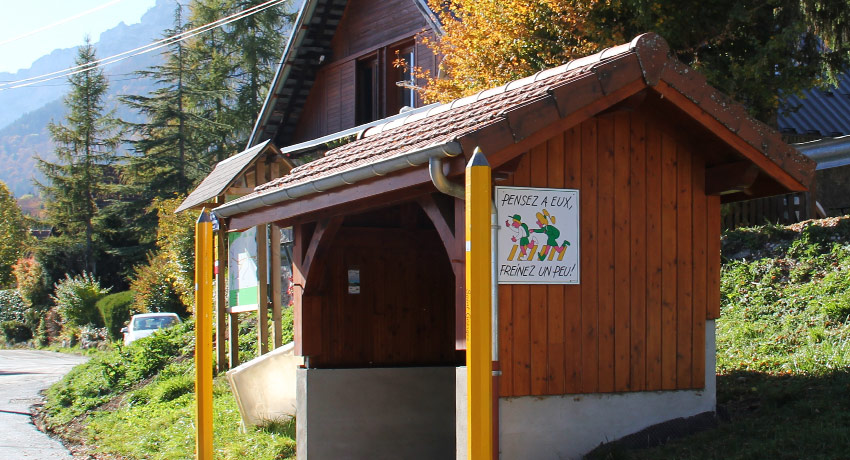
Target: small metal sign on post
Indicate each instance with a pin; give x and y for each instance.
(538, 236)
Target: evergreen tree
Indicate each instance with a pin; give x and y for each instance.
(78, 182)
(214, 100)
(167, 162)
(255, 44)
(16, 238)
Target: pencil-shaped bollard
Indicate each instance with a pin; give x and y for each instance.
(203, 337)
(479, 384)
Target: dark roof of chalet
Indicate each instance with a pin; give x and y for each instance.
(524, 106)
(222, 177)
(303, 56)
(820, 112)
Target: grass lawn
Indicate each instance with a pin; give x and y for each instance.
(137, 402)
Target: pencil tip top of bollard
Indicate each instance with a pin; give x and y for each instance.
(204, 217)
(478, 159)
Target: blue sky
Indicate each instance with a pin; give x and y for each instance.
(23, 16)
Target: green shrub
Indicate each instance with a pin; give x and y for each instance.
(155, 289)
(12, 306)
(115, 309)
(76, 299)
(15, 331)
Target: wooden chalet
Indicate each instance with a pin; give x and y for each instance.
(379, 250)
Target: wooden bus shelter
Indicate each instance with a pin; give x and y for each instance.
(379, 260)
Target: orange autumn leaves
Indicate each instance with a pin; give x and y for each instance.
(491, 42)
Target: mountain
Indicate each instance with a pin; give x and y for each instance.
(27, 111)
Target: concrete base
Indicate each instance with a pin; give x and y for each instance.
(384, 413)
(570, 426)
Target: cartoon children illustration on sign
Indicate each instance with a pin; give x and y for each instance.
(545, 221)
(521, 230)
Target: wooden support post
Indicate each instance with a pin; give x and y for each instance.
(276, 286)
(262, 291)
(203, 337)
(221, 296)
(233, 343)
(298, 281)
(262, 271)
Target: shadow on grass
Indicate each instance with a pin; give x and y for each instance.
(766, 416)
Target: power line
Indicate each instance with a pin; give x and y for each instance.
(59, 22)
(140, 50)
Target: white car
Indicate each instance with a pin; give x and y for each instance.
(145, 324)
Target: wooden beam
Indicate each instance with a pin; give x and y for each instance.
(307, 327)
(261, 177)
(720, 130)
(238, 191)
(730, 178)
(241, 309)
(458, 261)
(314, 260)
(221, 295)
(433, 211)
(233, 343)
(373, 193)
(262, 290)
(277, 328)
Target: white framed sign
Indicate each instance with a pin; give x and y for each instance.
(538, 238)
(242, 271)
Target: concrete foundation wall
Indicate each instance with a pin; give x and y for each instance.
(569, 426)
(384, 413)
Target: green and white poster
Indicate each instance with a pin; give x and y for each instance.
(243, 269)
(538, 238)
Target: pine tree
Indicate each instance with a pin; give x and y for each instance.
(255, 43)
(214, 100)
(167, 162)
(16, 238)
(78, 182)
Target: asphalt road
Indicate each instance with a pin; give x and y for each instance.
(23, 374)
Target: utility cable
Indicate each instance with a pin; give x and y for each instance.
(59, 22)
(140, 50)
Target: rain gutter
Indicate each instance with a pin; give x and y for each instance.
(340, 179)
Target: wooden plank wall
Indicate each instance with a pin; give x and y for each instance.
(649, 266)
(404, 314)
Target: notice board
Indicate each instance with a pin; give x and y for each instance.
(538, 238)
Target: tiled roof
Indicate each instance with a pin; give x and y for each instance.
(221, 177)
(531, 103)
(821, 112)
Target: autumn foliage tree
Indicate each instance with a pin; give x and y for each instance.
(758, 52)
(491, 42)
(16, 238)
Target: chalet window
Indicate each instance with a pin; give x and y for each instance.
(378, 93)
(368, 89)
(402, 66)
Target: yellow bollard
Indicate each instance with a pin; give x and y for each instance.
(203, 337)
(479, 384)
